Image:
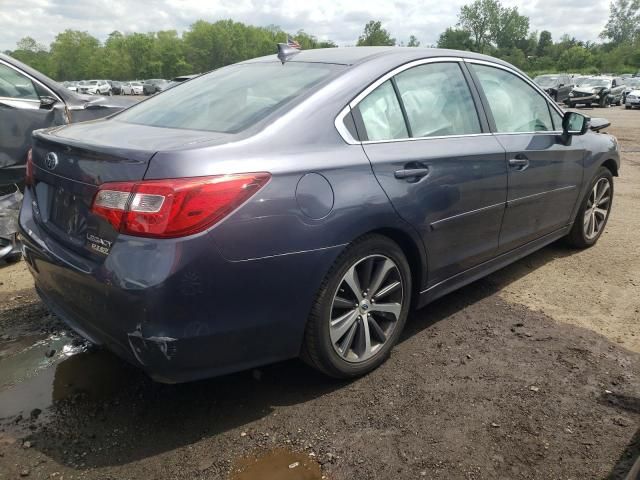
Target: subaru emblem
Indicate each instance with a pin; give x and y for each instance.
(51, 160)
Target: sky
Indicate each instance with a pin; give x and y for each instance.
(339, 20)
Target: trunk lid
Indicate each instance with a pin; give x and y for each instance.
(71, 162)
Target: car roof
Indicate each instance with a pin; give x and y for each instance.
(357, 55)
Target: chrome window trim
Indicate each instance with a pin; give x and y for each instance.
(339, 120)
(342, 128)
(348, 138)
(33, 79)
(435, 137)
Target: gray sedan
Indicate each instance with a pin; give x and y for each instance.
(301, 205)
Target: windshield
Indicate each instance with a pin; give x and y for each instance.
(93, 82)
(596, 82)
(546, 80)
(229, 99)
(135, 84)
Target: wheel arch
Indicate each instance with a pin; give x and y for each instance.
(612, 166)
(415, 253)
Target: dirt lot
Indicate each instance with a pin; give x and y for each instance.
(532, 372)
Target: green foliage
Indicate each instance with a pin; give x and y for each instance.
(374, 34)
(455, 39)
(624, 22)
(545, 42)
(488, 27)
(75, 55)
(484, 26)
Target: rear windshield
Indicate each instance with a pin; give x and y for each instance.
(230, 99)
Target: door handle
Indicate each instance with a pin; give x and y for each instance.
(519, 161)
(411, 173)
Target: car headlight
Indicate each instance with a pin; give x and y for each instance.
(571, 94)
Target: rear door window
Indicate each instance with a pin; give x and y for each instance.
(437, 100)
(382, 115)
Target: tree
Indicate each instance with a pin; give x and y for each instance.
(32, 53)
(576, 58)
(624, 21)
(544, 43)
(374, 34)
(308, 41)
(455, 39)
(413, 41)
(509, 27)
(492, 25)
(479, 19)
(72, 53)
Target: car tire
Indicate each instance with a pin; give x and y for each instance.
(603, 103)
(341, 349)
(581, 234)
(627, 107)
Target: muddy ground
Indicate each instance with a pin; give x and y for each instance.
(532, 372)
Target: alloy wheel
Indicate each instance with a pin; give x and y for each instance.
(597, 209)
(366, 308)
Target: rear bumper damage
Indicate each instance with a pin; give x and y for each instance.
(177, 308)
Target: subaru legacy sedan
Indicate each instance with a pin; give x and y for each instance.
(301, 206)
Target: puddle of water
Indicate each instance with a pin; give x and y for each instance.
(278, 464)
(25, 357)
(29, 380)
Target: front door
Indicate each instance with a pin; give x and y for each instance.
(21, 112)
(544, 174)
(443, 171)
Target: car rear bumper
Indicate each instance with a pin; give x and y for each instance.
(177, 308)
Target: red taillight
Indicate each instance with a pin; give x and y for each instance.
(174, 207)
(28, 178)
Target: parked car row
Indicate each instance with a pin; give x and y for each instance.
(112, 87)
(600, 90)
(104, 87)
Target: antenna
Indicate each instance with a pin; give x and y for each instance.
(285, 52)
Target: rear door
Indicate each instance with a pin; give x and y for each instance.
(443, 171)
(544, 173)
(21, 112)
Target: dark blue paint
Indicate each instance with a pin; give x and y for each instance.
(238, 295)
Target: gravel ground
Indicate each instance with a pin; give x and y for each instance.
(531, 372)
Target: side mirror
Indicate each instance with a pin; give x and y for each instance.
(561, 85)
(574, 123)
(47, 102)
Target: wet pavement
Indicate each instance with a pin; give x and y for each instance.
(38, 370)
